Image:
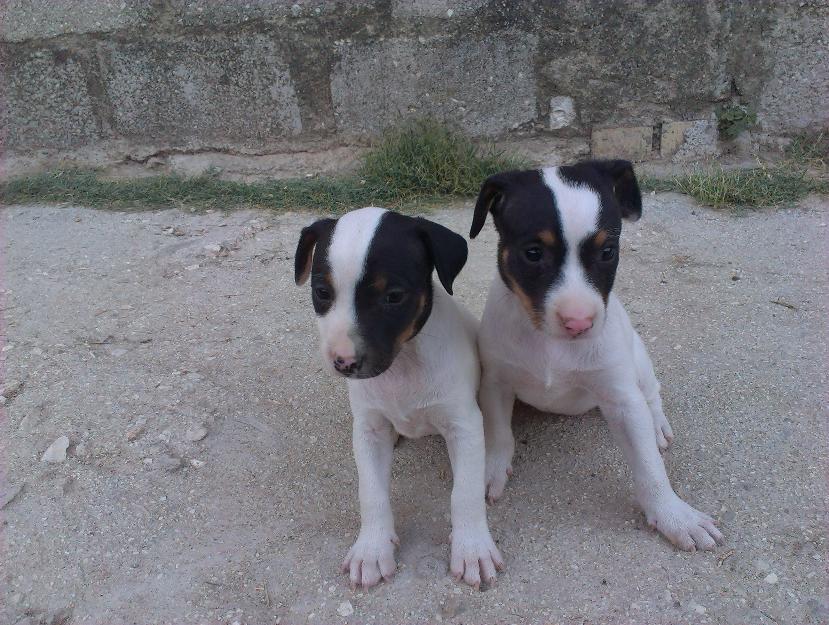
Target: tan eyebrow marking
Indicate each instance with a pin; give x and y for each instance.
(600, 238)
(380, 283)
(547, 237)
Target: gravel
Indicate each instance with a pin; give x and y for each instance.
(144, 533)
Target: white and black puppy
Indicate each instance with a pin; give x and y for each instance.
(409, 355)
(555, 336)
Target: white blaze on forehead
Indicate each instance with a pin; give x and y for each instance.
(578, 207)
(349, 247)
(578, 212)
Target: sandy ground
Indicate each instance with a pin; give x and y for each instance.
(209, 476)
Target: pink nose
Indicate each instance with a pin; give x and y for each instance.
(574, 326)
(346, 364)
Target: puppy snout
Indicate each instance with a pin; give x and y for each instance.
(575, 326)
(347, 365)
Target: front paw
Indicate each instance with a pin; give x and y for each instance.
(686, 527)
(474, 557)
(498, 471)
(371, 559)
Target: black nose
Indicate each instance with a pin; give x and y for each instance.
(347, 369)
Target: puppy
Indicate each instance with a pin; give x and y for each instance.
(408, 354)
(555, 336)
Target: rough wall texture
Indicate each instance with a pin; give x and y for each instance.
(146, 76)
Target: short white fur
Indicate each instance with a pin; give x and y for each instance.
(430, 388)
(609, 368)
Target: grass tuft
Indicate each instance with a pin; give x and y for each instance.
(419, 164)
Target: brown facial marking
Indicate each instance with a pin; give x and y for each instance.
(547, 237)
(381, 283)
(600, 238)
(522, 296)
(409, 331)
(306, 270)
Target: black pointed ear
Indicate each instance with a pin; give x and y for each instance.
(447, 250)
(489, 198)
(624, 185)
(307, 240)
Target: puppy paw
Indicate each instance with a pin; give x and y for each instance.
(474, 557)
(371, 559)
(687, 528)
(498, 471)
(664, 433)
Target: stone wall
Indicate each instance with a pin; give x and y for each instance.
(135, 79)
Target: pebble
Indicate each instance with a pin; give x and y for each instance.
(451, 607)
(699, 609)
(213, 249)
(11, 388)
(178, 231)
(345, 609)
(135, 431)
(192, 267)
(198, 464)
(56, 452)
(169, 462)
(771, 578)
(195, 434)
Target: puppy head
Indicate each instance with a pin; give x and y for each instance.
(371, 281)
(558, 245)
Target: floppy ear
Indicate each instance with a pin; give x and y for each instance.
(447, 250)
(624, 185)
(307, 240)
(488, 199)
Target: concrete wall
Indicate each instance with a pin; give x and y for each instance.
(638, 78)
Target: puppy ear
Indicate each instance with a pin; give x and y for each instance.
(447, 250)
(624, 185)
(489, 198)
(307, 240)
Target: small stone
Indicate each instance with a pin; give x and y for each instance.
(56, 452)
(81, 450)
(196, 464)
(192, 267)
(451, 607)
(562, 112)
(136, 431)
(213, 249)
(345, 609)
(12, 388)
(700, 609)
(178, 231)
(771, 578)
(169, 462)
(195, 434)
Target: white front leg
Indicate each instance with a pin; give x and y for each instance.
(496, 405)
(629, 418)
(372, 555)
(474, 555)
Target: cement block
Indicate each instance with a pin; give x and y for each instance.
(24, 19)
(797, 94)
(47, 102)
(689, 140)
(484, 86)
(634, 143)
(201, 89)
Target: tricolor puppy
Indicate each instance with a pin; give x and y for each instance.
(408, 354)
(555, 336)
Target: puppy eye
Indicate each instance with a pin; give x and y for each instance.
(607, 254)
(533, 253)
(394, 297)
(322, 293)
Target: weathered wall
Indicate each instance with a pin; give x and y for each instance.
(639, 78)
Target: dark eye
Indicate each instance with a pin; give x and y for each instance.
(607, 254)
(322, 293)
(394, 297)
(533, 253)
